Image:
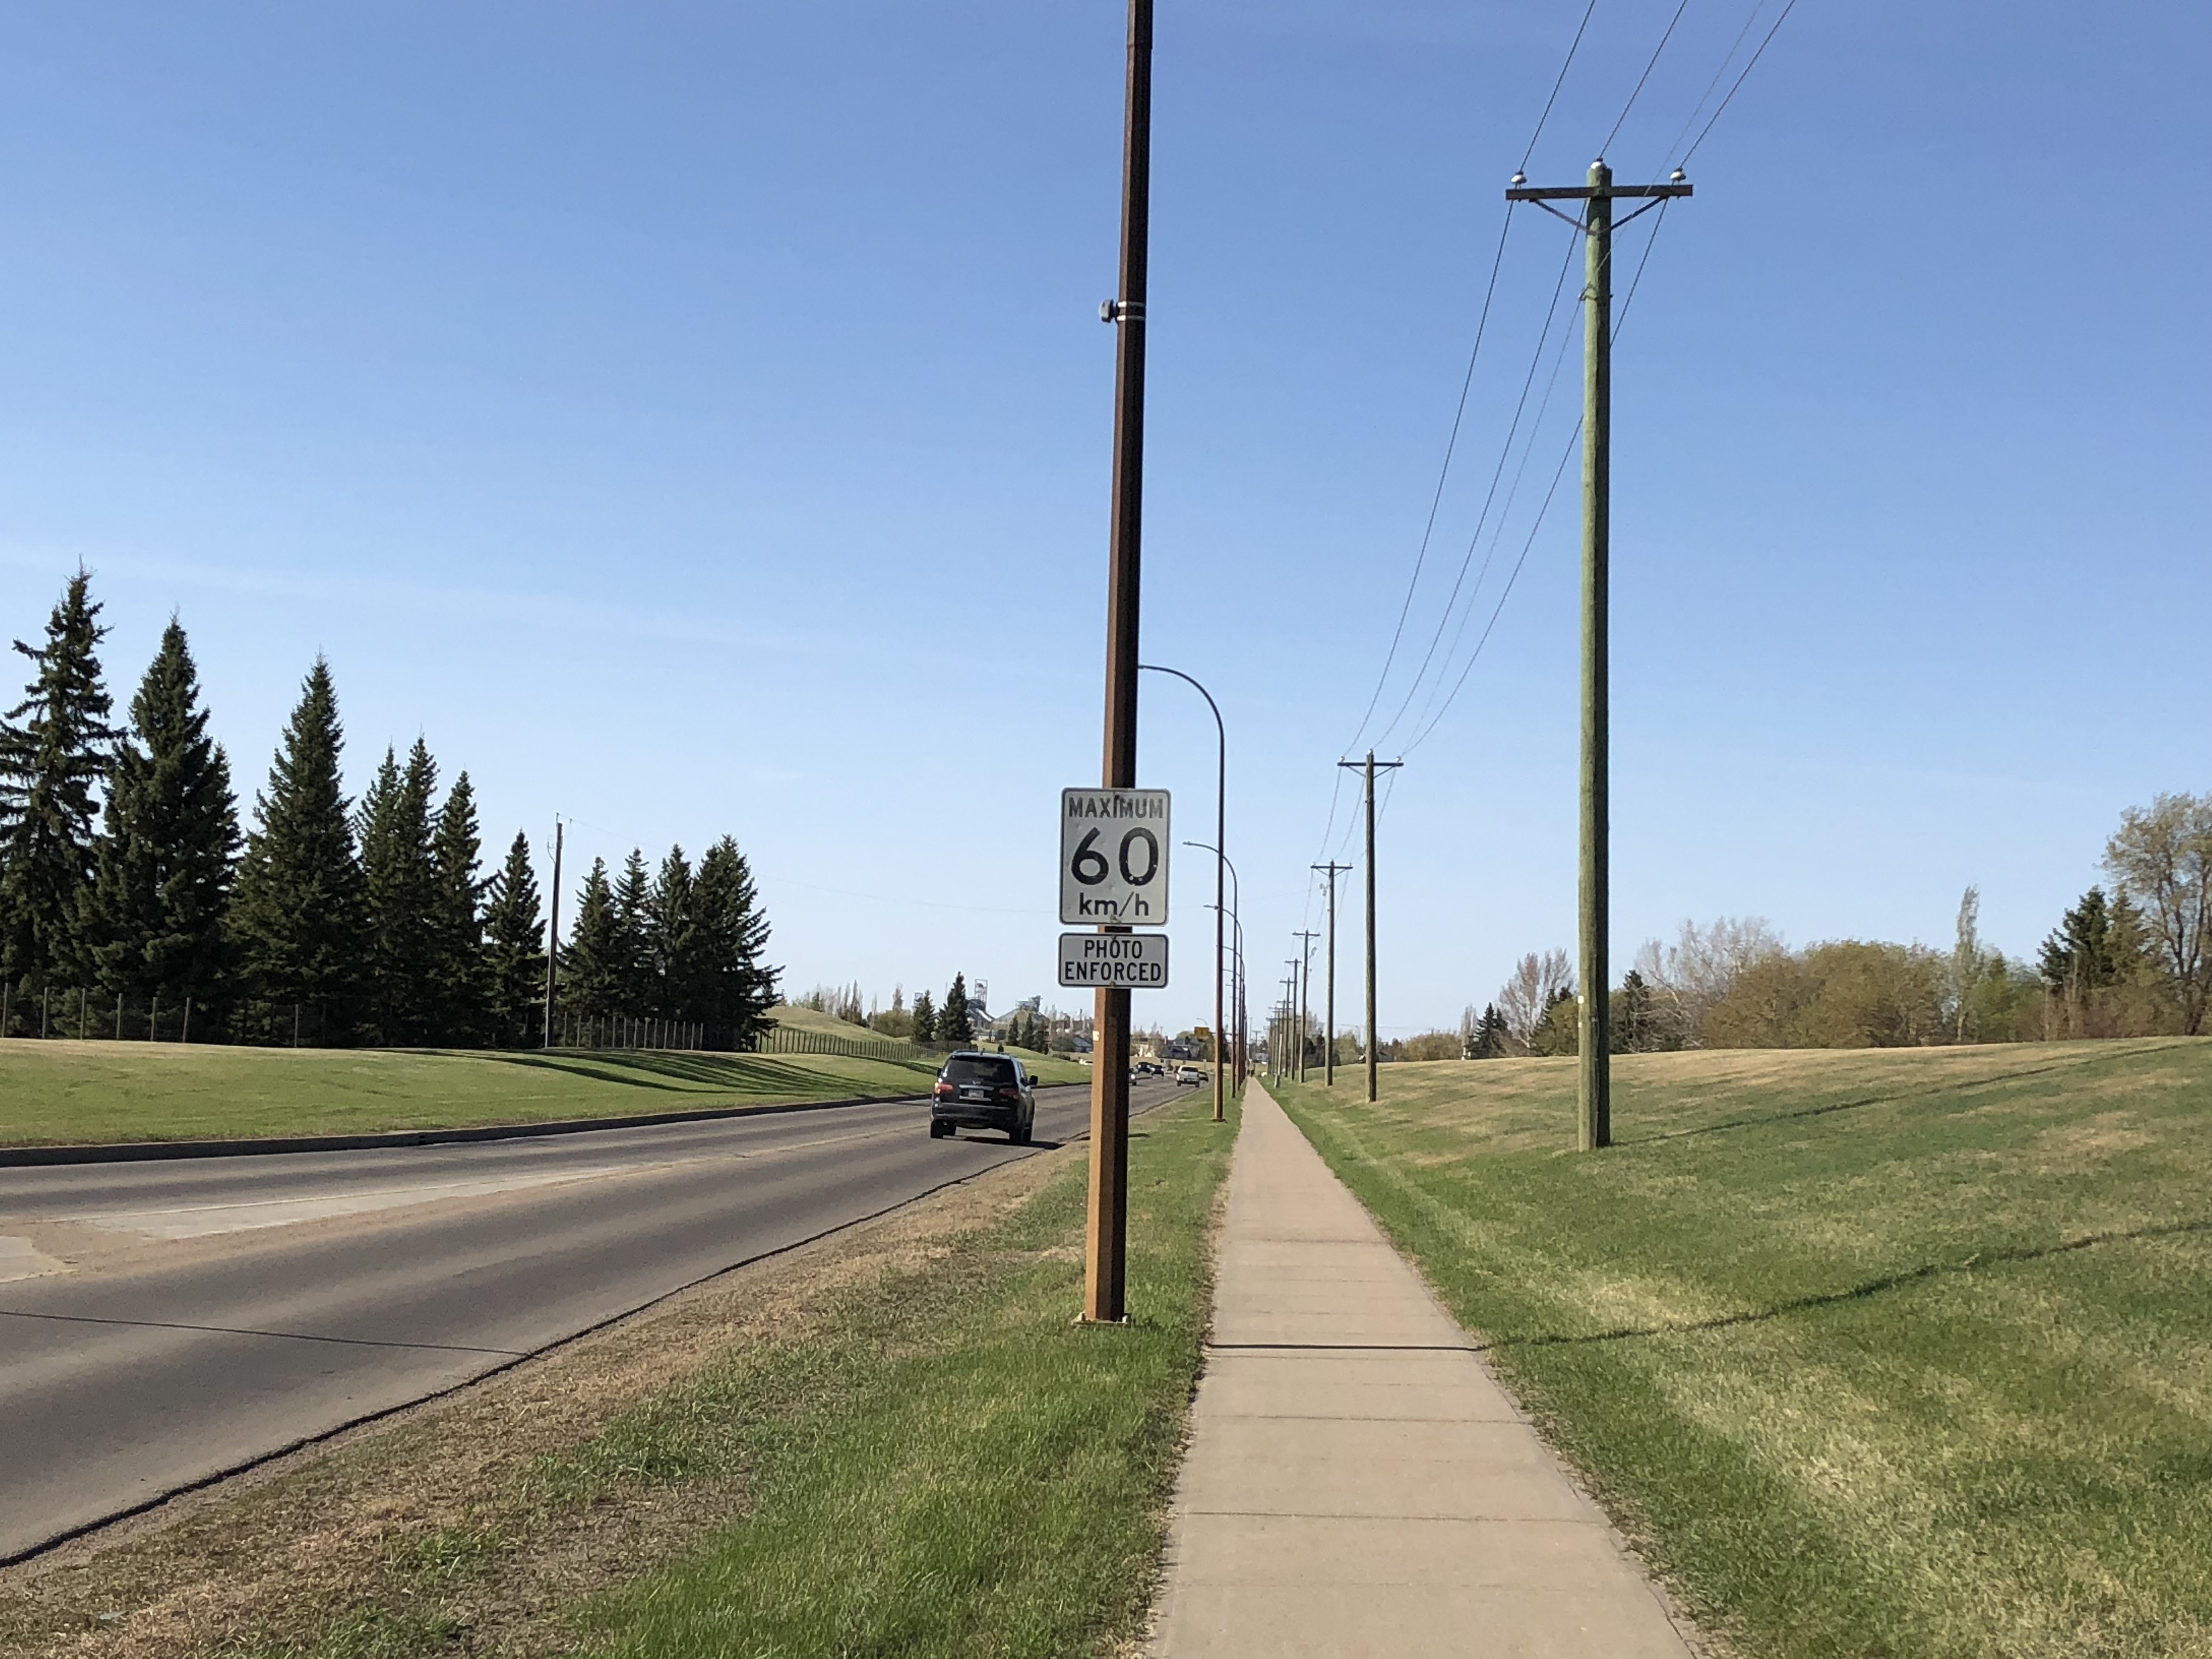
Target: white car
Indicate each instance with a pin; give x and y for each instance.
(1189, 1074)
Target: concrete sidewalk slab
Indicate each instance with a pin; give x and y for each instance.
(1356, 1483)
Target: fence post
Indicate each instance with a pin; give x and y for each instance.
(184, 1031)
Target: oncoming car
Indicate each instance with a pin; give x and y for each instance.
(983, 1091)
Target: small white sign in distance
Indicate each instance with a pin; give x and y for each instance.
(1117, 961)
(1113, 858)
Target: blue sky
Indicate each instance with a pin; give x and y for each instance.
(694, 419)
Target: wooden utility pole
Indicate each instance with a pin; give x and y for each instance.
(1367, 768)
(1332, 869)
(553, 941)
(1594, 1034)
(1106, 1241)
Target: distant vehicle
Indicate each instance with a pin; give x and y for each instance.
(1189, 1074)
(976, 1091)
(1149, 1069)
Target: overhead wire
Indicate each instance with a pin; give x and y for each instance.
(1627, 301)
(1728, 57)
(1428, 723)
(1412, 585)
(1504, 455)
(1752, 65)
(1435, 500)
(1637, 90)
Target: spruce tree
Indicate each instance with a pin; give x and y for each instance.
(633, 911)
(156, 913)
(955, 1026)
(298, 913)
(515, 932)
(53, 751)
(401, 885)
(735, 988)
(673, 942)
(462, 972)
(925, 1018)
(594, 962)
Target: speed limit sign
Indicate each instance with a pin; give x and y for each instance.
(1114, 857)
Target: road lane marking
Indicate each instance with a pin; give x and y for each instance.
(201, 1220)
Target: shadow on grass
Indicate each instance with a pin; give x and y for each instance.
(687, 1073)
(1920, 1275)
(1891, 1099)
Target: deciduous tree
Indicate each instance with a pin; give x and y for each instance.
(2161, 860)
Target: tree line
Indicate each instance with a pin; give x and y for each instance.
(124, 872)
(2131, 958)
(951, 1022)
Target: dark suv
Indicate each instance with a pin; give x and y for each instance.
(984, 1092)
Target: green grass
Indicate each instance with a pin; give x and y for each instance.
(97, 1091)
(940, 1465)
(971, 1474)
(1877, 1354)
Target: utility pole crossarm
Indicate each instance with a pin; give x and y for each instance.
(1585, 192)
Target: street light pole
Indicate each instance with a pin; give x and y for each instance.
(1332, 869)
(1220, 841)
(1220, 1030)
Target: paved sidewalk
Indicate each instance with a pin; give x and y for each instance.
(1356, 1485)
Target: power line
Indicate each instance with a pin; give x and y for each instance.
(1734, 46)
(1573, 46)
(1740, 79)
(1382, 680)
(1635, 282)
(1436, 501)
(1504, 454)
(1607, 147)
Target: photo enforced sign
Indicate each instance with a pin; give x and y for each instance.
(1115, 962)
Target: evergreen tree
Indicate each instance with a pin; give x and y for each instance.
(672, 938)
(514, 936)
(594, 962)
(2097, 943)
(633, 912)
(955, 1025)
(49, 764)
(155, 914)
(298, 913)
(1631, 1019)
(401, 885)
(462, 979)
(734, 986)
(1491, 1038)
(925, 1018)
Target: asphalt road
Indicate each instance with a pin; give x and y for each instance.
(161, 1324)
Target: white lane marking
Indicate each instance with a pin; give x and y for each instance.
(19, 1260)
(199, 1221)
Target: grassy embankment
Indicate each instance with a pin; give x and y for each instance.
(906, 1451)
(58, 1091)
(1876, 1353)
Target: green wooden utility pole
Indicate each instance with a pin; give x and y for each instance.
(1594, 1034)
